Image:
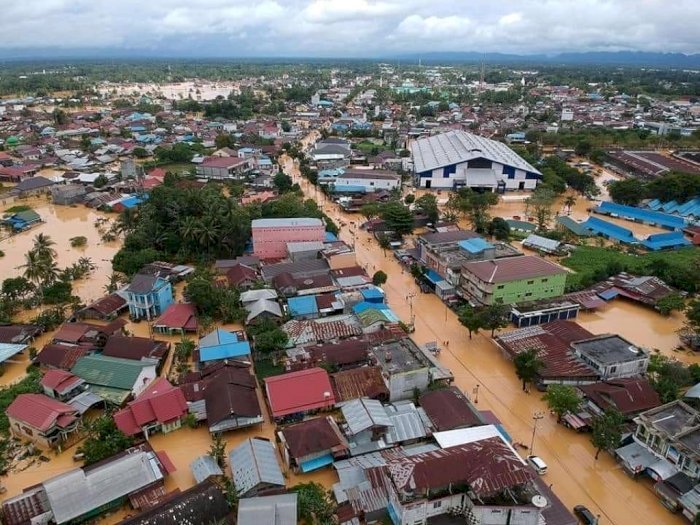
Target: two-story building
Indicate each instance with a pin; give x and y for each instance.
(148, 296)
(511, 280)
(224, 168)
(270, 236)
(671, 433)
(612, 356)
(42, 420)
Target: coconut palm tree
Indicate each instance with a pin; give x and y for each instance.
(33, 267)
(527, 366)
(43, 247)
(569, 203)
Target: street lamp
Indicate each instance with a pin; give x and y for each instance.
(535, 417)
(409, 298)
(476, 394)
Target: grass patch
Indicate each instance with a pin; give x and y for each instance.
(592, 264)
(266, 368)
(181, 168)
(17, 209)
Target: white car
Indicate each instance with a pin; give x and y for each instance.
(537, 463)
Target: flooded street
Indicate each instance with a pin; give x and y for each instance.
(573, 473)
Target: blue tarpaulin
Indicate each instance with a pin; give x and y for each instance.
(608, 294)
(316, 463)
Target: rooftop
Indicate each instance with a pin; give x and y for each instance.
(286, 223)
(449, 408)
(268, 510)
(513, 269)
(400, 356)
(609, 349)
(254, 462)
(299, 392)
(313, 436)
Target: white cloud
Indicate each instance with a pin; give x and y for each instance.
(355, 27)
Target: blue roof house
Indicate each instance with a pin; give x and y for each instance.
(148, 296)
(373, 294)
(303, 307)
(220, 344)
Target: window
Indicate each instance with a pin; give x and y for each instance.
(531, 282)
(437, 504)
(613, 369)
(500, 286)
(528, 294)
(545, 280)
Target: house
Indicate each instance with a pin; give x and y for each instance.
(137, 348)
(223, 168)
(44, 421)
(612, 356)
(205, 467)
(365, 381)
(254, 468)
(671, 433)
(22, 220)
(59, 356)
(449, 409)
(312, 444)
(542, 244)
(84, 493)
(483, 480)
(512, 280)
(270, 510)
(241, 276)
(62, 385)
(405, 368)
(206, 498)
(629, 396)
(270, 236)
(148, 296)
(114, 379)
(32, 186)
(224, 395)
(345, 354)
(87, 334)
(366, 181)
(459, 159)
(331, 328)
(106, 308)
(220, 345)
(19, 334)
(159, 408)
(553, 344)
(177, 318)
(366, 425)
(298, 393)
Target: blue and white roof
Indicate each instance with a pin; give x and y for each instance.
(455, 147)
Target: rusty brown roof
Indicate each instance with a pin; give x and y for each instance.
(108, 305)
(513, 269)
(314, 436)
(366, 381)
(449, 408)
(135, 347)
(628, 395)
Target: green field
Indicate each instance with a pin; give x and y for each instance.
(680, 268)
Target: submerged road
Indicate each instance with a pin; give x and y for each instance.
(482, 372)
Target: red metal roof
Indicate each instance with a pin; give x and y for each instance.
(449, 409)
(160, 402)
(628, 396)
(60, 356)
(60, 380)
(179, 316)
(41, 412)
(513, 269)
(314, 436)
(300, 391)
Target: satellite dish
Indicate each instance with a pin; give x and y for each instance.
(539, 501)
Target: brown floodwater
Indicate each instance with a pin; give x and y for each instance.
(573, 473)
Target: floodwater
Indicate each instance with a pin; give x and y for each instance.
(175, 90)
(489, 379)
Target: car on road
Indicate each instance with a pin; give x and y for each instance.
(585, 516)
(538, 464)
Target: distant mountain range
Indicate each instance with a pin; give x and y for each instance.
(619, 58)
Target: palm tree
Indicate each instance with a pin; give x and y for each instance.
(527, 366)
(33, 268)
(569, 203)
(188, 228)
(43, 247)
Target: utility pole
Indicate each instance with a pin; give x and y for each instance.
(535, 417)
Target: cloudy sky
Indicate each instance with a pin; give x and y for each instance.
(352, 28)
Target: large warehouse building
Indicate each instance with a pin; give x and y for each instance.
(457, 159)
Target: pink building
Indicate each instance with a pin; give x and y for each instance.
(270, 236)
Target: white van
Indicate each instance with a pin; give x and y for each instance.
(537, 463)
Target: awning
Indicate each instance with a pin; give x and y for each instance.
(662, 469)
(636, 457)
(316, 463)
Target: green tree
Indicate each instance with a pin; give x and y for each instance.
(499, 228)
(496, 316)
(428, 206)
(528, 365)
(271, 340)
(540, 205)
(606, 430)
(217, 450)
(409, 199)
(476, 207)
(379, 278)
(628, 191)
(15, 288)
(384, 242)
(314, 503)
(398, 218)
(224, 140)
(60, 117)
(370, 211)
(100, 182)
(184, 348)
(569, 202)
(282, 182)
(140, 153)
(103, 440)
(471, 318)
(562, 399)
(672, 302)
(583, 148)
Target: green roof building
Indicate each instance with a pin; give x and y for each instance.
(114, 379)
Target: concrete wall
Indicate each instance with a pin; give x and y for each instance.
(271, 242)
(402, 385)
(513, 291)
(370, 185)
(438, 180)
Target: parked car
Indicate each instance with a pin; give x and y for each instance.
(585, 516)
(538, 464)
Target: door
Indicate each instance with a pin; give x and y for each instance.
(428, 184)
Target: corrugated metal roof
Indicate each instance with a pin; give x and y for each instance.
(204, 467)
(363, 414)
(110, 372)
(8, 350)
(254, 462)
(268, 510)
